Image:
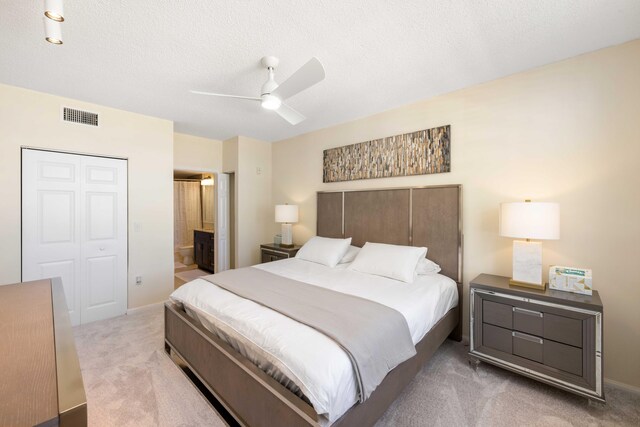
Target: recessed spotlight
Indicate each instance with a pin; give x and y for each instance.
(54, 10)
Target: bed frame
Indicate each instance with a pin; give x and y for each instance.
(418, 216)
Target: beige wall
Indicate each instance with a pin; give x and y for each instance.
(250, 159)
(255, 211)
(568, 132)
(193, 153)
(29, 118)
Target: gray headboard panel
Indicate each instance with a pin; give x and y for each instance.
(416, 216)
(380, 216)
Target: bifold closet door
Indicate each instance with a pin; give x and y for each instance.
(74, 225)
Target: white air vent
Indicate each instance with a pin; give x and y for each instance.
(79, 116)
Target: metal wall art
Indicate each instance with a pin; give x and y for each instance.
(417, 153)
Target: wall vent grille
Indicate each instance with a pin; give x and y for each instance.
(79, 116)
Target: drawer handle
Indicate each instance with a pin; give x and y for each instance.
(527, 337)
(525, 311)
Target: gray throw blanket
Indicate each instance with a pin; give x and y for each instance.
(375, 337)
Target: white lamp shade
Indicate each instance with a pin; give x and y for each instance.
(54, 9)
(287, 213)
(530, 220)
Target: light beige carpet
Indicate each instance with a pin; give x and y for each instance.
(130, 381)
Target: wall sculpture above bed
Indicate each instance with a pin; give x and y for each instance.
(415, 153)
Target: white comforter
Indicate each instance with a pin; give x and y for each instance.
(298, 356)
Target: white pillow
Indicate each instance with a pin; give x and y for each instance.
(324, 250)
(426, 266)
(350, 255)
(392, 261)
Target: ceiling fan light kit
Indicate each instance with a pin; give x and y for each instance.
(272, 94)
(54, 16)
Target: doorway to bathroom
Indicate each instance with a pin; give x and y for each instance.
(203, 224)
(194, 225)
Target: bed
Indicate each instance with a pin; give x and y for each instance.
(255, 381)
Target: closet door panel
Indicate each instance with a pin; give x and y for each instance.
(104, 238)
(50, 222)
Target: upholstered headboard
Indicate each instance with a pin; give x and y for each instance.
(416, 216)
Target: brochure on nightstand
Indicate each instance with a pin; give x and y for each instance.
(570, 279)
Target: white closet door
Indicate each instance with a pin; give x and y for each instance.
(51, 222)
(74, 225)
(221, 242)
(103, 238)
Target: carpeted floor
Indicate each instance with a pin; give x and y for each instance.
(130, 381)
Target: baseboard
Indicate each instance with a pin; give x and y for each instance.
(622, 386)
(143, 307)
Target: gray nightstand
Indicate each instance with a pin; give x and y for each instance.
(272, 252)
(552, 336)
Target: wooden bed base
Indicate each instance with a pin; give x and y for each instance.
(254, 398)
(416, 216)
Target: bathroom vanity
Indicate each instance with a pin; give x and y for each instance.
(203, 245)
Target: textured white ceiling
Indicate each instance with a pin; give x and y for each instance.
(144, 55)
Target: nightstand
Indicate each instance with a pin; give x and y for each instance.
(551, 336)
(272, 252)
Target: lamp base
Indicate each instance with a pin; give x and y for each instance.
(540, 287)
(527, 262)
(287, 236)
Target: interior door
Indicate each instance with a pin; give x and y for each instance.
(51, 222)
(222, 244)
(103, 237)
(74, 225)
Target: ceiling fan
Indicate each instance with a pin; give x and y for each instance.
(272, 94)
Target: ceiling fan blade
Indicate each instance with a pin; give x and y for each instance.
(309, 74)
(253, 98)
(289, 114)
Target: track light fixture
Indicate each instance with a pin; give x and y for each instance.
(54, 10)
(54, 15)
(52, 31)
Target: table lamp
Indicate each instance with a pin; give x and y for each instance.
(287, 214)
(529, 220)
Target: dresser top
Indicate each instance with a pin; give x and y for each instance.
(28, 384)
(501, 284)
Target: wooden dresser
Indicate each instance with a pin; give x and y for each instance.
(40, 379)
(552, 336)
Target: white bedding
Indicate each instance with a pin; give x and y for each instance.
(298, 356)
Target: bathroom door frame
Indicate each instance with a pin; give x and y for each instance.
(230, 194)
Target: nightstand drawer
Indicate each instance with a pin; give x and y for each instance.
(497, 314)
(529, 321)
(563, 357)
(528, 346)
(497, 338)
(268, 256)
(563, 329)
